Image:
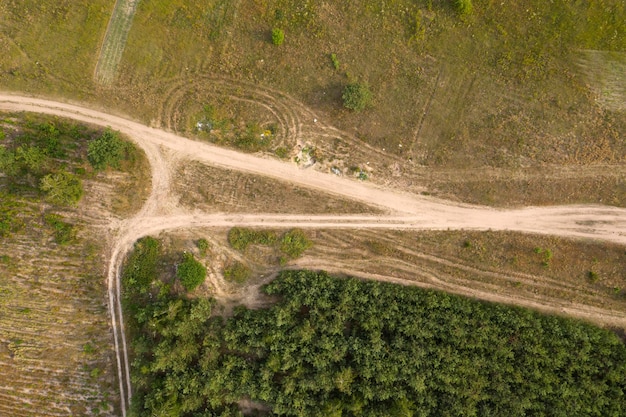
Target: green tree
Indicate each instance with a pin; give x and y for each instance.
(62, 188)
(107, 150)
(278, 36)
(190, 272)
(357, 96)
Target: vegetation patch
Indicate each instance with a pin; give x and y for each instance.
(291, 244)
(237, 272)
(190, 272)
(64, 232)
(356, 96)
(240, 237)
(294, 243)
(278, 36)
(106, 151)
(347, 347)
(63, 188)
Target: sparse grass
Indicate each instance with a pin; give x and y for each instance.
(59, 362)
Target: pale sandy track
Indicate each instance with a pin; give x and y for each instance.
(406, 211)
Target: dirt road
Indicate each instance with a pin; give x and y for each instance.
(404, 211)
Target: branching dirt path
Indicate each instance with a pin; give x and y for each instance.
(404, 211)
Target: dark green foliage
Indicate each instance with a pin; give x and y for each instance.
(141, 266)
(356, 96)
(64, 233)
(107, 150)
(237, 272)
(190, 272)
(294, 243)
(278, 36)
(62, 188)
(346, 347)
(240, 238)
(464, 7)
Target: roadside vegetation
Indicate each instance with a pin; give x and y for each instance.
(347, 347)
(290, 245)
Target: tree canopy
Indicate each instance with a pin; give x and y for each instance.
(107, 150)
(344, 347)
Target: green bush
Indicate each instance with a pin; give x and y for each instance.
(190, 272)
(107, 150)
(278, 36)
(237, 272)
(62, 188)
(357, 96)
(294, 243)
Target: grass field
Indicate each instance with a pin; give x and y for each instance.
(510, 86)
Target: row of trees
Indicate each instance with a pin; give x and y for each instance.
(333, 347)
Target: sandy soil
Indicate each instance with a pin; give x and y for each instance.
(166, 150)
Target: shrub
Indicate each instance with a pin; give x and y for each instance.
(294, 243)
(464, 7)
(62, 188)
(107, 150)
(203, 246)
(190, 272)
(356, 96)
(239, 238)
(333, 58)
(237, 272)
(278, 36)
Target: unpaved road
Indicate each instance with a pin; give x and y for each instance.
(405, 211)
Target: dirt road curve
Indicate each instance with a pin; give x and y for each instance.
(405, 211)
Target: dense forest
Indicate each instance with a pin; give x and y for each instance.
(344, 347)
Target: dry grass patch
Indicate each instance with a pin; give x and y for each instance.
(219, 190)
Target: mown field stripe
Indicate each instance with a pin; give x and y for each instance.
(115, 40)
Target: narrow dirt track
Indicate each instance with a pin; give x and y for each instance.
(405, 211)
